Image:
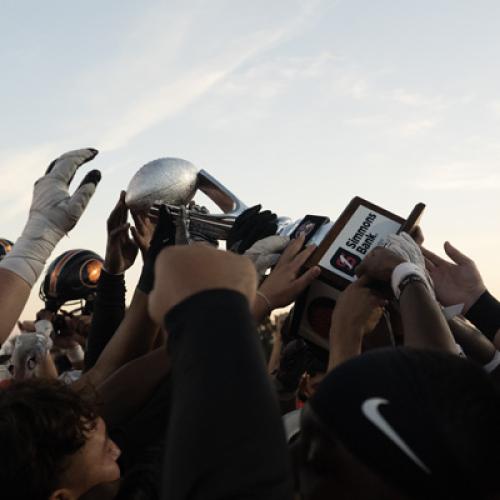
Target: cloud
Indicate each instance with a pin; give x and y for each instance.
(417, 100)
(154, 82)
(417, 126)
(495, 106)
(19, 170)
(457, 176)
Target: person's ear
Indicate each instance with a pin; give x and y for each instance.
(63, 494)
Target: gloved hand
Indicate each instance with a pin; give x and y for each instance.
(251, 226)
(405, 247)
(53, 213)
(265, 253)
(163, 236)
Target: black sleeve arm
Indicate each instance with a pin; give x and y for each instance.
(109, 310)
(225, 438)
(485, 315)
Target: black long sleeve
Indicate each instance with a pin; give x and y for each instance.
(225, 439)
(485, 314)
(109, 310)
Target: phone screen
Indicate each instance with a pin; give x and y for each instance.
(308, 226)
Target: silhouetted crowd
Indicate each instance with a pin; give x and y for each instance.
(203, 387)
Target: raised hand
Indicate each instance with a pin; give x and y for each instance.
(121, 250)
(379, 264)
(252, 225)
(142, 232)
(457, 282)
(164, 235)
(357, 312)
(285, 282)
(53, 213)
(181, 272)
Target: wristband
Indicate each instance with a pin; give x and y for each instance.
(494, 363)
(75, 354)
(402, 271)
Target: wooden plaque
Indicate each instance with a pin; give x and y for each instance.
(360, 227)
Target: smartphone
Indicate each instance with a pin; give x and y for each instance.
(308, 226)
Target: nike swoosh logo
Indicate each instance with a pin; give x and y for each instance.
(370, 409)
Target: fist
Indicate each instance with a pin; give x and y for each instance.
(379, 264)
(183, 271)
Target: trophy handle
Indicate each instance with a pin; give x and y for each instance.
(228, 202)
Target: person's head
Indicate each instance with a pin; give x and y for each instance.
(54, 446)
(400, 424)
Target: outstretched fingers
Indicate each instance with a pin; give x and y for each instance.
(436, 260)
(455, 255)
(65, 167)
(81, 197)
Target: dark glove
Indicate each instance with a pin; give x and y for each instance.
(163, 236)
(251, 226)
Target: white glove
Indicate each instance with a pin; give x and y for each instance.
(44, 327)
(53, 213)
(265, 253)
(405, 247)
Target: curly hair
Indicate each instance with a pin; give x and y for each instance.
(42, 423)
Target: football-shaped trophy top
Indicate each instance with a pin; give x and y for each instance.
(167, 180)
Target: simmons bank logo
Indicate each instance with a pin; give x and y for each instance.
(345, 261)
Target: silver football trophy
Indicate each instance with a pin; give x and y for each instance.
(174, 182)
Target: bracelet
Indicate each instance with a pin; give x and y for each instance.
(400, 272)
(266, 300)
(411, 278)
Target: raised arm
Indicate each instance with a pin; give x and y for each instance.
(53, 213)
(225, 433)
(137, 332)
(424, 324)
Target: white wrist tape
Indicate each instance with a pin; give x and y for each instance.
(494, 363)
(32, 249)
(403, 270)
(75, 354)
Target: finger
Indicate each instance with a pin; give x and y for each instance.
(456, 255)
(435, 259)
(136, 236)
(293, 248)
(81, 197)
(303, 256)
(306, 279)
(116, 215)
(139, 222)
(417, 234)
(65, 167)
(120, 229)
(429, 265)
(244, 216)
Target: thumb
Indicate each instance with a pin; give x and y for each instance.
(81, 197)
(455, 255)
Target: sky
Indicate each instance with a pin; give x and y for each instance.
(299, 105)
